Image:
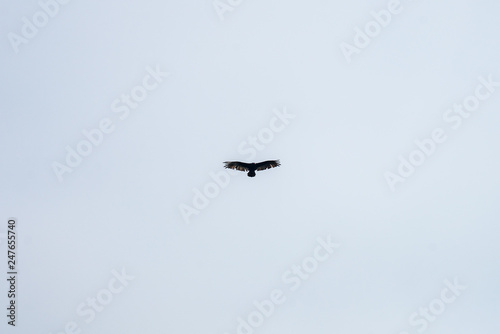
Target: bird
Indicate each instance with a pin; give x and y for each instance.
(251, 167)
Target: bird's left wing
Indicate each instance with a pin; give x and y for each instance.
(267, 164)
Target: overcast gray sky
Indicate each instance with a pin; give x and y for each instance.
(383, 217)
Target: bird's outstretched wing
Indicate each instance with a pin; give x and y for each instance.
(244, 167)
(267, 164)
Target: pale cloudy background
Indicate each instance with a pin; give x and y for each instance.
(118, 213)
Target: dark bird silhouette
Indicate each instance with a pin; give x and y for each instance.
(251, 167)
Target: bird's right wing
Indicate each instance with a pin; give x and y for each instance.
(244, 167)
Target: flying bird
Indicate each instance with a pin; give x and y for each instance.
(251, 167)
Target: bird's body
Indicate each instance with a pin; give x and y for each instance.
(251, 167)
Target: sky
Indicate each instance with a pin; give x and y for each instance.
(117, 117)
